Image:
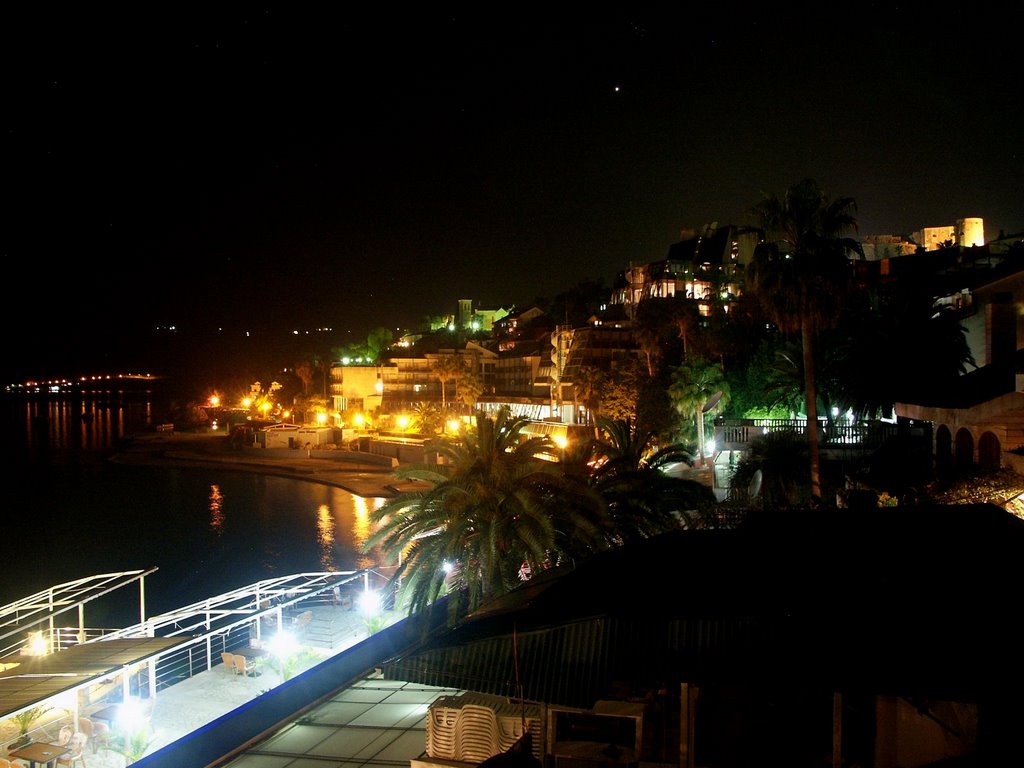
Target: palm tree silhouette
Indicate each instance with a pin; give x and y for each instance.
(800, 275)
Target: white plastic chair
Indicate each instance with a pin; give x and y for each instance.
(77, 753)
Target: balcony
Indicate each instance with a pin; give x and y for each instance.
(868, 435)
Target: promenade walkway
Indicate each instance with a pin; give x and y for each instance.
(362, 474)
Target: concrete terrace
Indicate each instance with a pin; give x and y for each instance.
(381, 720)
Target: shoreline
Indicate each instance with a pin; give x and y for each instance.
(348, 470)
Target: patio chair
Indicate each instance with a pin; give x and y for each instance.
(229, 662)
(302, 622)
(77, 753)
(244, 666)
(98, 733)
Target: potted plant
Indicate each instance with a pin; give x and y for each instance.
(25, 720)
(133, 744)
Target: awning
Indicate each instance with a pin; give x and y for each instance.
(37, 679)
(557, 429)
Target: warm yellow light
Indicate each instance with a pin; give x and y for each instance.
(246, 402)
(560, 441)
(358, 420)
(453, 425)
(403, 422)
(214, 400)
(36, 644)
(321, 418)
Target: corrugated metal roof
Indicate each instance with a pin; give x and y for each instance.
(36, 679)
(893, 600)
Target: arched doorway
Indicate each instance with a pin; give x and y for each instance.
(963, 449)
(989, 451)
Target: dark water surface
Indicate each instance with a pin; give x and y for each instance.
(69, 512)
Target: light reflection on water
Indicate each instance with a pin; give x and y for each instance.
(216, 510)
(361, 528)
(207, 530)
(325, 531)
(89, 420)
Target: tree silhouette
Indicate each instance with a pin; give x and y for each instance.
(800, 276)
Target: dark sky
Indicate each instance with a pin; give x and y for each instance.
(278, 165)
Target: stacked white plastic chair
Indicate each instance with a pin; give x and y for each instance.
(476, 734)
(441, 730)
(471, 727)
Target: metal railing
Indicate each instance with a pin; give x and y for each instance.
(737, 434)
(225, 623)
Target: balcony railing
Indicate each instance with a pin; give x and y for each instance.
(737, 434)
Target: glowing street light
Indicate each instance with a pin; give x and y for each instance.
(283, 645)
(37, 645)
(369, 603)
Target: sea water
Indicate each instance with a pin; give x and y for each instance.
(70, 512)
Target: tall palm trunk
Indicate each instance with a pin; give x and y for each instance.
(700, 432)
(811, 404)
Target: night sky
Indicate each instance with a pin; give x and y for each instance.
(274, 166)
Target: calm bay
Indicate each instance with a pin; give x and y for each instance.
(71, 512)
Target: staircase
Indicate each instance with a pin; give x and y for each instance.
(335, 629)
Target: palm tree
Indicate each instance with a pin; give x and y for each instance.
(304, 371)
(800, 275)
(470, 386)
(586, 388)
(780, 456)
(446, 368)
(643, 500)
(693, 387)
(686, 316)
(428, 418)
(904, 346)
(653, 320)
(496, 511)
